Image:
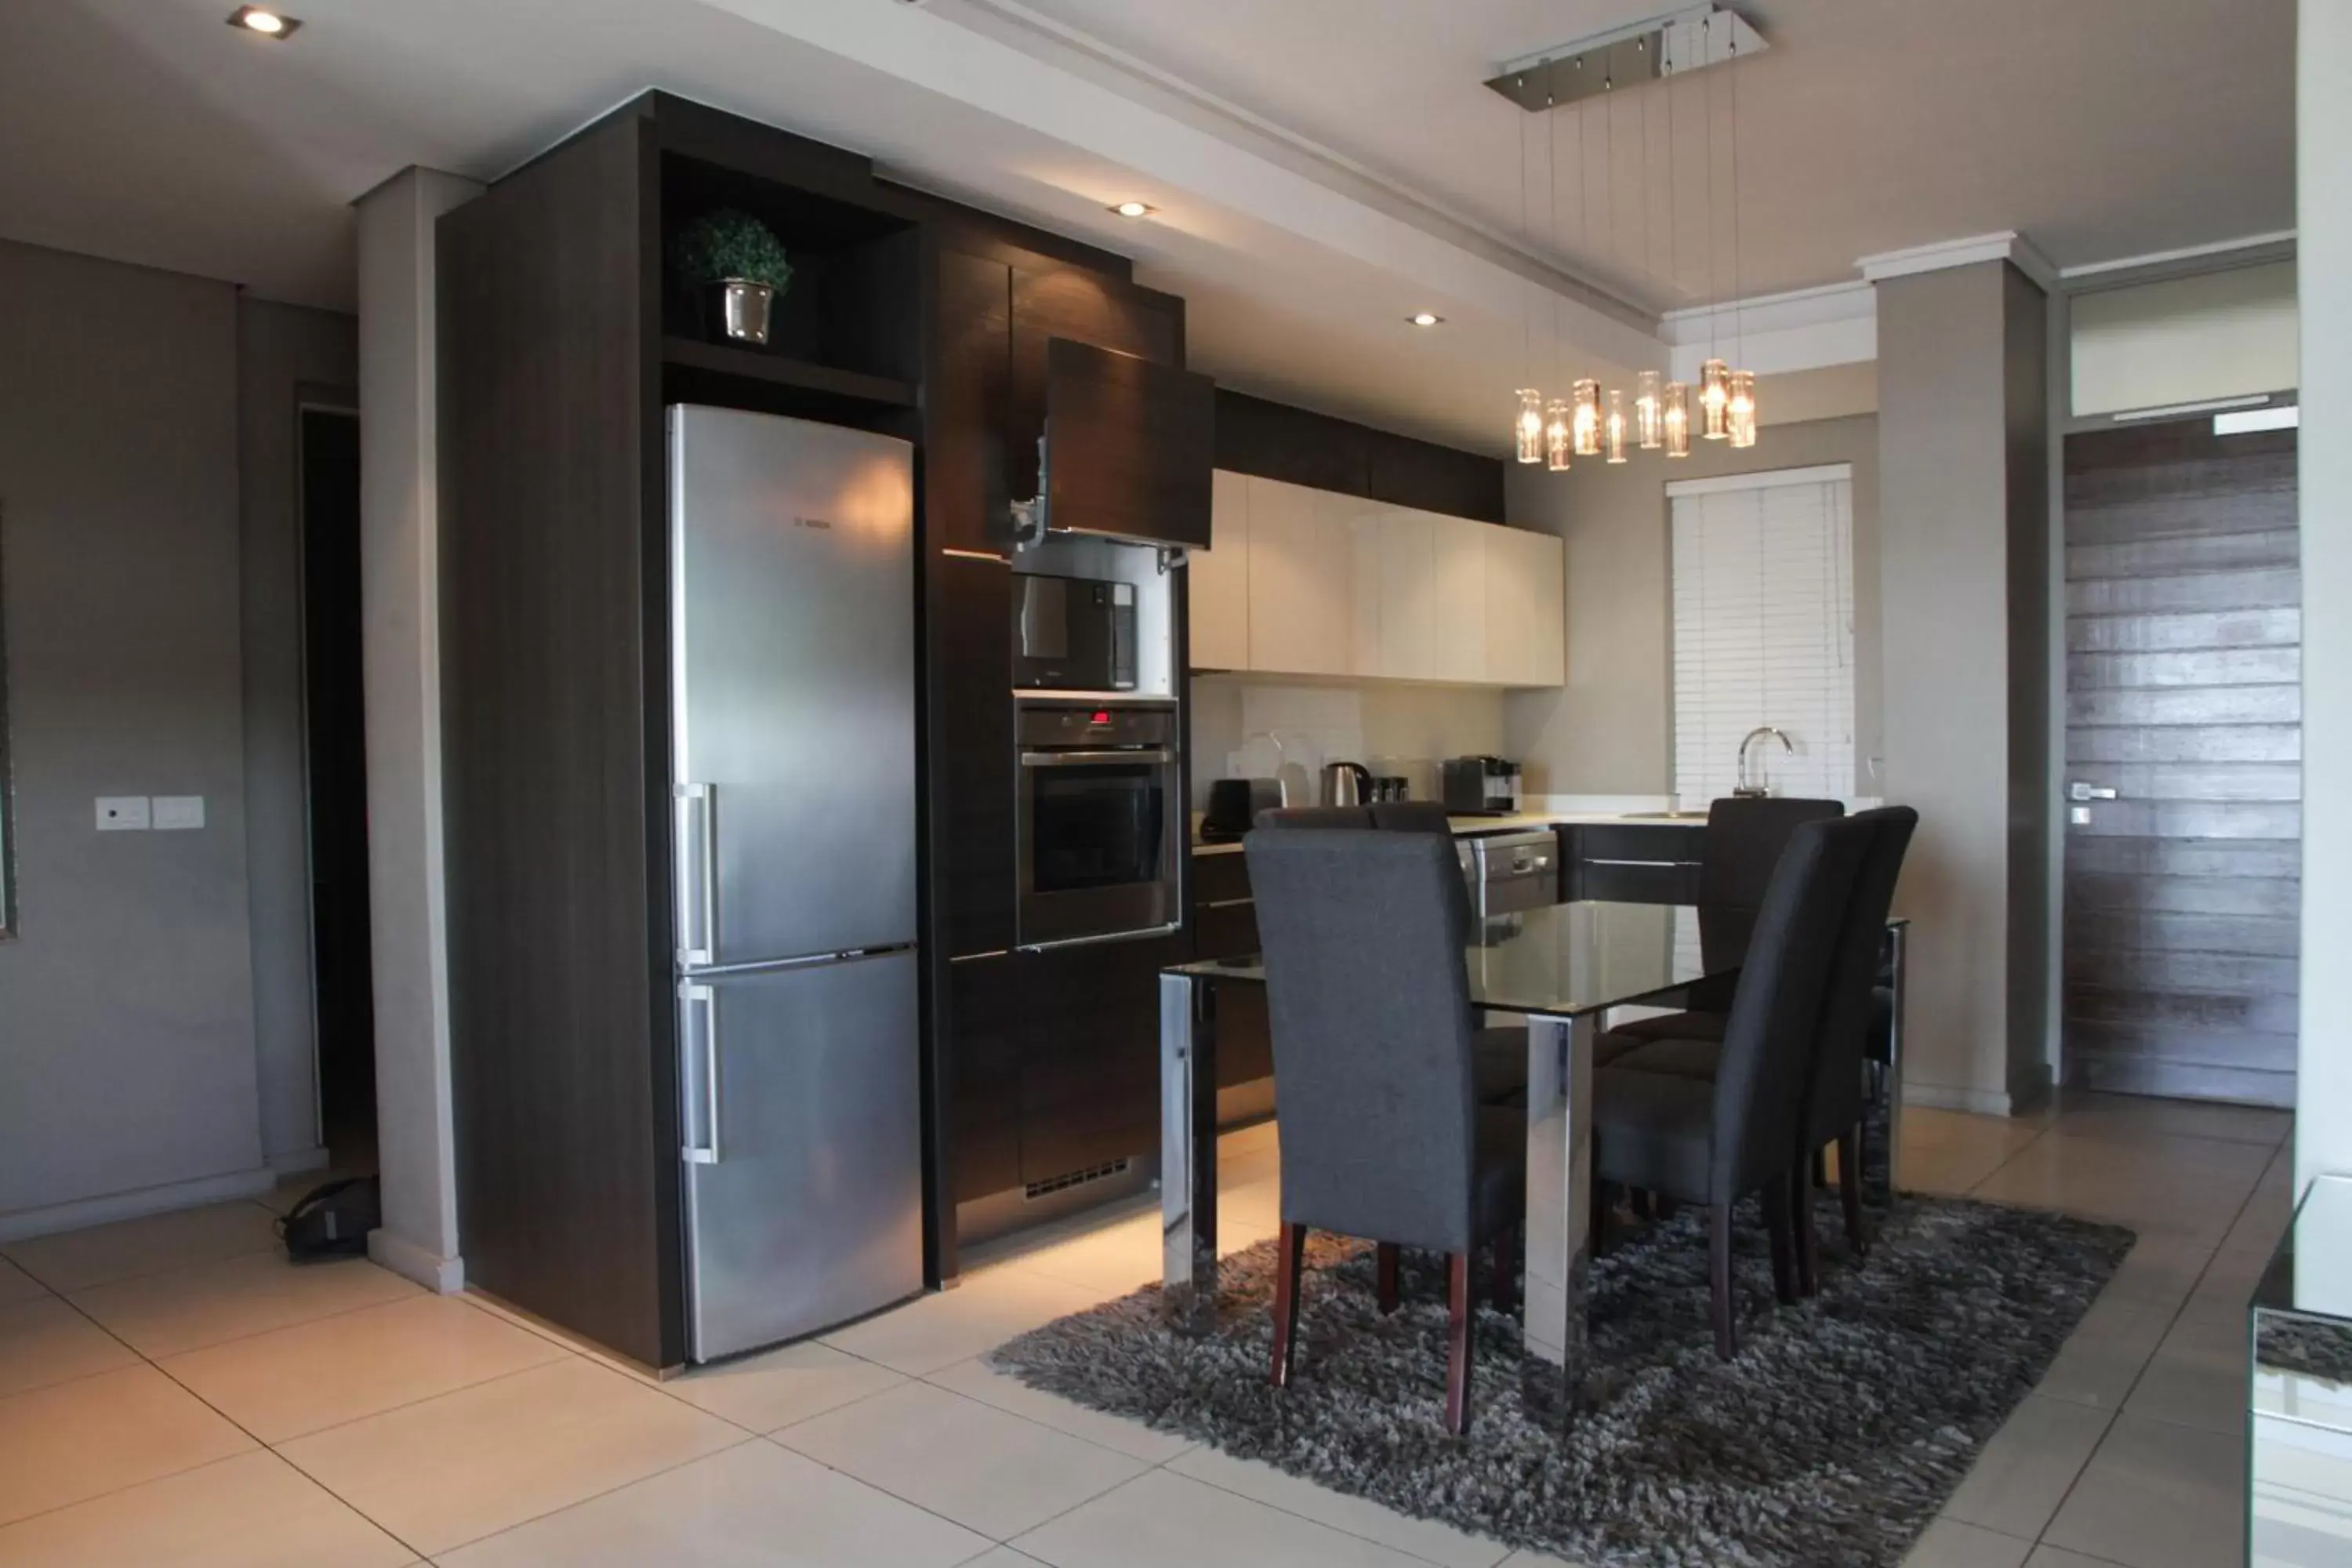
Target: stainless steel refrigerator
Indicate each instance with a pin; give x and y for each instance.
(793, 748)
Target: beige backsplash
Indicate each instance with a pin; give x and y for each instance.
(1388, 726)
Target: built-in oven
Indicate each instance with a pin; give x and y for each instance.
(1101, 840)
(1073, 633)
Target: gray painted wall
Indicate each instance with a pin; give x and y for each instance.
(1610, 730)
(286, 356)
(126, 1006)
(1964, 544)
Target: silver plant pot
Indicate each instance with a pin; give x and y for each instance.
(743, 308)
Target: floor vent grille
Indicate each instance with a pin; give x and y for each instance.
(1036, 1190)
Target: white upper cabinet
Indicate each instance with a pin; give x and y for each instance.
(1219, 580)
(1301, 582)
(1525, 595)
(1305, 582)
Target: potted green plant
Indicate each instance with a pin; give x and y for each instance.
(740, 265)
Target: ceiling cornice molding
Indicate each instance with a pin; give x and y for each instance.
(2249, 250)
(2008, 245)
(1772, 334)
(1058, 44)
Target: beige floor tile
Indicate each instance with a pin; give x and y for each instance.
(322, 1374)
(78, 1259)
(75, 1440)
(1948, 1543)
(1110, 1260)
(2151, 1181)
(16, 1285)
(1951, 1152)
(2197, 1377)
(1424, 1539)
(752, 1506)
(2226, 1289)
(1003, 1557)
(2022, 1475)
(967, 1461)
(165, 1314)
(255, 1511)
(1163, 1520)
(45, 1340)
(1536, 1560)
(2189, 1117)
(486, 1459)
(1133, 1438)
(778, 1387)
(941, 1329)
(2059, 1557)
(2157, 1496)
(2105, 1354)
(2158, 1272)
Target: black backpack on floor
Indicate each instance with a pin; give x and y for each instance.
(333, 1220)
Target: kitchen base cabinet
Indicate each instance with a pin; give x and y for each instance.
(985, 1005)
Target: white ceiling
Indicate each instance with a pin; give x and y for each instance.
(1324, 166)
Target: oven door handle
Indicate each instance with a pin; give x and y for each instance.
(1086, 759)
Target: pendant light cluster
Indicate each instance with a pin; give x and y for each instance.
(1597, 422)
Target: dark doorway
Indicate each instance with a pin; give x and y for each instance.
(333, 697)
(2184, 744)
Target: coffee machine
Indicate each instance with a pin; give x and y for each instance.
(1481, 786)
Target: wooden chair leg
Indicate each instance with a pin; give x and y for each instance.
(1384, 1268)
(1726, 1331)
(1808, 1242)
(1503, 1284)
(1784, 1240)
(1457, 1351)
(1849, 1147)
(1599, 1242)
(1291, 1252)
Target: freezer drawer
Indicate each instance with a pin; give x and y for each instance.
(801, 1117)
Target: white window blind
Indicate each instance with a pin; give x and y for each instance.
(1763, 576)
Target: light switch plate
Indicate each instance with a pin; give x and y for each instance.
(179, 812)
(122, 813)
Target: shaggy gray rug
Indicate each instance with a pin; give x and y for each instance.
(1834, 1437)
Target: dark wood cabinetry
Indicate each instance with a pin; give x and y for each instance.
(1630, 863)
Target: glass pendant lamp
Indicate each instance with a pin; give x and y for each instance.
(1741, 410)
(1613, 427)
(1586, 420)
(1677, 419)
(1649, 412)
(1530, 426)
(1715, 400)
(1558, 435)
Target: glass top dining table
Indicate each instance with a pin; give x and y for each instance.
(1562, 967)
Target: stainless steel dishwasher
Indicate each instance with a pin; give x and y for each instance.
(1514, 871)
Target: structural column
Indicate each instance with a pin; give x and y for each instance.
(2323, 1123)
(400, 609)
(1965, 548)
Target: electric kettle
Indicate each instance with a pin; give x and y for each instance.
(1347, 784)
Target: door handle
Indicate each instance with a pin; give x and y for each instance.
(705, 1046)
(702, 896)
(2080, 790)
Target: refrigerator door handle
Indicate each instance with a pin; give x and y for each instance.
(699, 892)
(701, 1049)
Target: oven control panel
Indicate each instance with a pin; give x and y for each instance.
(1053, 724)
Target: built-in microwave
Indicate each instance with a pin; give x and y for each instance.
(1072, 634)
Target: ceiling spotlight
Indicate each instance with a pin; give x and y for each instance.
(1135, 209)
(269, 24)
(1425, 318)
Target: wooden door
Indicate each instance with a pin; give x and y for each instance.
(2183, 637)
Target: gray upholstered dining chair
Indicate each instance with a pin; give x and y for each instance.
(1381, 1131)
(1739, 848)
(1713, 1141)
(1498, 1055)
(1834, 1083)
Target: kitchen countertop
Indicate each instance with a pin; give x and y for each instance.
(1477, 826)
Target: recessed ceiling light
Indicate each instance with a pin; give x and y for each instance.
(269, 24)
(1135, 209)
(1426, 319)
